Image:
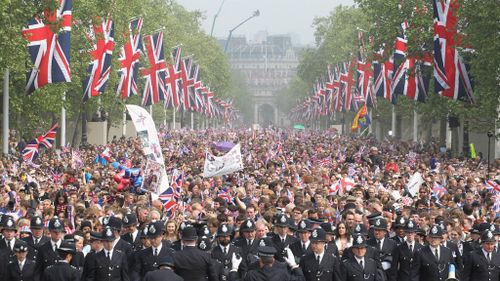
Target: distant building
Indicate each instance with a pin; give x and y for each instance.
(268, 66)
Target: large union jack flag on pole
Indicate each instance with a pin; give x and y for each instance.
(173, 80)
(365, 71)
(31, 151)
(450, 74)
(100, 67)
(383, 70)
(154, 90)
(49, 51)
(129, 61)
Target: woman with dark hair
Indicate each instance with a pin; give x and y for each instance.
(343, 239)
(61, 204)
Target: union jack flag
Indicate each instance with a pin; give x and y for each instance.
(173, 80)
(439, 190)
(224, 194)
(410, 79)
(31, 151)
(169, 201)
(187, 83)
(365, 71)
(383, 71)
(100, 67)
(199, 103)
(348, 83)
(450, 74)
(154, 90)
(49, 51)
(325, 162)
(129, 61)
(492, 186)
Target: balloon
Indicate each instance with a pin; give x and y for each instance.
(117, 178)
(125, 181)
(115, 165)
(138, 182)
(120, 187)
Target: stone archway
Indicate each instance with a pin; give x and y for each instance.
(266, 115)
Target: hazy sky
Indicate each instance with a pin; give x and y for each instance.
(276, 16)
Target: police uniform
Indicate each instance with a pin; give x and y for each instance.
(147, 260)
(371, 252)
(222, 254)
(14, 271)
(276, 272)
(386, 249)
(129, 220)
(62, 270)
(116, 224)
(281, 243)
(404, 256)
(330, 247)
(34, 243)
(478, 267)
(8, 224)
(328, 266)
(368, 270)
(46, 255)
(399, 224)
(164, 272)
(90, 257)
(106, 269)
(299, 249)
(427, 267)
(192, 263)
(250, 248)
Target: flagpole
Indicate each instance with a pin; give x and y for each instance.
(63, 122)
(173, 119)
(165, 113)
(151, 111)
(370, 130)
(124, 122)
(192, 121)
(415, 126)
(393, 121)
(5, 111)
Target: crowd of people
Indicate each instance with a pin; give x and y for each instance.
(308, 205)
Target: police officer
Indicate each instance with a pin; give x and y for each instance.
(115, 223)
(399, 229)
(371, 252)
(483, 264)
(147, 260)
(268, 269)
(319, 265)
(192, 263)
(164, 272)
(386, 247)
(281, 240)
(132, 235)
(21, 268)
(432, 262)
(9, 231)
(303, 245)
(359, 267)
(223, 252)
(330, 246)
(37, 238)
(405, 252)
(109, 264)
(96, 246)
(47, 253)
(249, 243)
(61, 270)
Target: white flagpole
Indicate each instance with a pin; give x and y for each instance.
(370, 129)
(63, 122)
(192, 121)
(173, 119)
(5, 111)
(165, 113)
(151, 111)
(415, 126)
(393, 121)
(124, 122)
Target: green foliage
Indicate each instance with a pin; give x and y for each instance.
(180, 27)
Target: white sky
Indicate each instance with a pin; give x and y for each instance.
(276, 16)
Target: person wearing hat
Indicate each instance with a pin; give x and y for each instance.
(192, 263)
(303, 245)
(432, 262)
(281, 239)
(399, 229)
(359, 267)
(115, 223)
(61, 270)
(147, 260)
(37, 238)
(386, 247)
(21, 268)
(9, 231)
(223, 252)
(95, 247)
(165, 271)
(451, 245)
(319, 265)
(405, 253)
(267, 268)
(247, 241)
(483, 264)
(110, 263)
(475, 235)
(371, 252)
(47, 253)
(331, 246)
(132, 235)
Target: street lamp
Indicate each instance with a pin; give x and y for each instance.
(215, 17)
(254, 14)
(490, 134)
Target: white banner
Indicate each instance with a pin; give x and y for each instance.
(146, 131)
(218, 166)
(414, 184)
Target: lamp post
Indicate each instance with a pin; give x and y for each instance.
(215, 17)
(256, 13)
(490, 134)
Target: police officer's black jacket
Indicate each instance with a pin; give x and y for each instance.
(103, 269)
(428, 268)
(327, 270)
(478, 268)
(14, 273)
(403, 260)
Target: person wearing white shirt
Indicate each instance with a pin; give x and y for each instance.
(315, 264)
